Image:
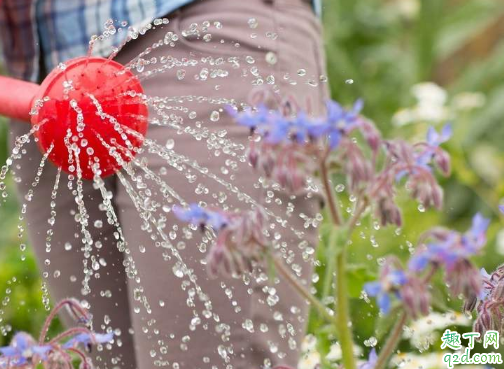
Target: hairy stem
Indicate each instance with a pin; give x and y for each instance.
(343, 312)
(393, 340)
(333, 208)
(75, 308)
(342, 304)
(293, 281)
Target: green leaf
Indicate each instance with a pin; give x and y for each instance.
(357, 276)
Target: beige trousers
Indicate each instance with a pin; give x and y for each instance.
(163, 317)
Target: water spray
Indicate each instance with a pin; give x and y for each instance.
(76, 107)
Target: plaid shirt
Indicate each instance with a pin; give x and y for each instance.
(61, 29)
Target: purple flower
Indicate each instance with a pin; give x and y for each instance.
(390, 281)
(431, 152)
(371, 362)
(25, 352)
(449, 247)
(387, 210)
(435, 139)
(250, 118)
(22, 349)
(341, 121)
(307, 129)
(201, 217)
(475, 238)
(452, 250)
(358, 169)
(416, 297)
(88, 339)
(240, 241)
(489, 303)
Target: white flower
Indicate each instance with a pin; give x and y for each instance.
(309, 360)
(430, 107)
(425, 331)
(429, 93)
(500, 242)
(309, 343)
(427, 361)
(468, 100)
(335, 353)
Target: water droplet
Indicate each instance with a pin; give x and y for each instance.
(170, 144)
(252, 22)
(301, 72)
(177, 270)
(215, 116)
(271, 58)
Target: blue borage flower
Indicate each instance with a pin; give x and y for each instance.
(240, 241)
(371, 361)
(87, 339)
(22, 349)
(411, 290)
(451, 250)
(202, 217)
(277, 128)
(340, 122)
(489, 303)
(293, 143)
(25, 352)
(429, 152)
(450, 247)
(390, 281)
(412, 162)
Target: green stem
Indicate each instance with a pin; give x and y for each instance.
(293, 281)
(328, 277)
(342, 304)
(331, 201)
(391, 344)
(343, 312)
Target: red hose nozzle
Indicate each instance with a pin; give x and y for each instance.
(16, 98)
(90, 113)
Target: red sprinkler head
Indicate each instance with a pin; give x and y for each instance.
(89, 110)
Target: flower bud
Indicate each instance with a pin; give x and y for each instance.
(464, 278)
(442, 160)
(371, 135)
(427, 192)
(416, 297)
(358, 169)
(388, 212)
(253, 157)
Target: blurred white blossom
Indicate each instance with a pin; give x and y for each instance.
(430, 107)
(335, 352)
(309, 354)
(425, 331)
(468, 100)
(499, 245)
(426, 361)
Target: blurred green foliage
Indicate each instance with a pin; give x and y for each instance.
(376, 50)
(379, 50)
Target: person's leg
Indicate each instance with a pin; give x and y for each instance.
(58, 244)
(252, 322)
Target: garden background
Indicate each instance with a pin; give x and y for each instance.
(415, 63)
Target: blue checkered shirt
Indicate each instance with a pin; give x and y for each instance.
(61, 29)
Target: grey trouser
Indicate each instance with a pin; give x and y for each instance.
(139, 292)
